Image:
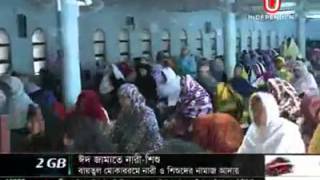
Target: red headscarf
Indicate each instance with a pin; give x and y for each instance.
(218, 132)
(92, 106)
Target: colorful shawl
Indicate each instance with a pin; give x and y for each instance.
(194, 99)
(287, 98)
(146, 137)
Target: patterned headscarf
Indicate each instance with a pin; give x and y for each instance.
(132, 92)
(194, 99)
(287, 98)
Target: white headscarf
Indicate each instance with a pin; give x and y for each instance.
(279, 136)
(306, 82)
(18, 103)
(105, 85)
(171, 88)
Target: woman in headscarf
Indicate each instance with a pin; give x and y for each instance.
(287, 98)
(19, 103)
(194, 101)
(205, 78)
(282, 70)
(218, 133)
(304, 82)
(289, 48)
(217, 69)
(89, 105)
(136, 129)
(168, 84)
(108, 89)
(310, 109)
(240, 84)
(188, 64)
(269, 64)
(146, 84)
(18, 106)
(269, 133)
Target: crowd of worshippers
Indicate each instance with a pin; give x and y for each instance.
(182, 105)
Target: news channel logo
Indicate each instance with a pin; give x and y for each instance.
(273, 11)
(271, 6)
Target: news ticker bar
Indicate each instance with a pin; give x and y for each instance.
(128, 165)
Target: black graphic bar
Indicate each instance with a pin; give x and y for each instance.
(169, 166)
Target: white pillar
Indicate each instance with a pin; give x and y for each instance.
(302, 35)
(70, 43)
(230, 39)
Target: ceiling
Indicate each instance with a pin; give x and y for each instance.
(240, 6)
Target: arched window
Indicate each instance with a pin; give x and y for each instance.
(184, 39)
(124, 44)
(259, 45)
(238, 41)
(99, 40)
(249, 41)
(166, 42)
(39, 50)
(146, 44)
(4, 52)
(200, 42)
(269, 40)
(213, 43)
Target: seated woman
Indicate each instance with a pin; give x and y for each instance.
(136, 129)
(146, 84)
(304, 82)
(194, 102)
(217, 69)
(205, 78)
(108, 89)
(89, 105)
(168, 91)
(287, 98)
(83, 135)
(269, 133)
(218, 133)
(187, 63)
(310, 109)
(240, 84)
(19, 103)
(227, 100)
(282, 70)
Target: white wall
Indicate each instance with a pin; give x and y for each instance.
(21, 49)
(112, 21)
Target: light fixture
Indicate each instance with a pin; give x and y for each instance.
(84, 2)
(313, 14)
(288, 4)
